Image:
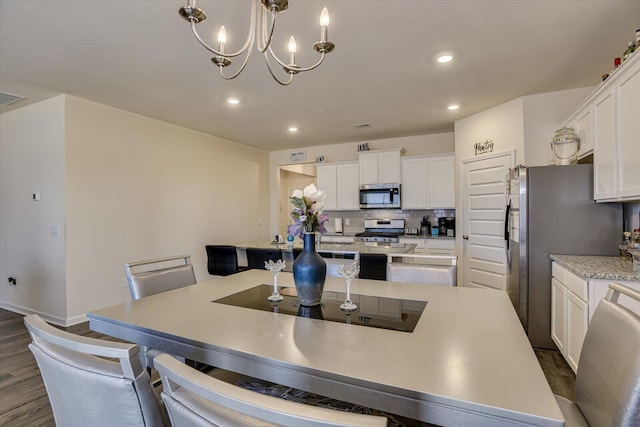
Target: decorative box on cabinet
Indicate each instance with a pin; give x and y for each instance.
(340, 182)
(428, 182)
(380, 167)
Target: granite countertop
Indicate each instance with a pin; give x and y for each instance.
(402, 236)
(430, 236)
(599, 267)
(335, 247)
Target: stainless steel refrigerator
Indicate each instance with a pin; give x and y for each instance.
(550, 210)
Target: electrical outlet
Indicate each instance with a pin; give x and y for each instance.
(347, 221)
(123, 283)
(12, 281)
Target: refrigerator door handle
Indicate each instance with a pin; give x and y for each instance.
(506, 223)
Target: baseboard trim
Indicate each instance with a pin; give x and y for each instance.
(45, 316)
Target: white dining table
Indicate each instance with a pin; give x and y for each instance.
(468, 361)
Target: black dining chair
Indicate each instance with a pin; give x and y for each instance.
(222, 260)
(373, 266)
(256, 257)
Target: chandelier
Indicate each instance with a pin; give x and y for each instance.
(260, 33)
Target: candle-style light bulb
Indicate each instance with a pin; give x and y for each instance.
(222, 38)
(292, 50)
(324, 24)
(324, 17)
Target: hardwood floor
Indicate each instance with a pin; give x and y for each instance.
(24, 401)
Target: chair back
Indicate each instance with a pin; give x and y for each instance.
(196, 399)
(86, 390)
(155, 281)
(608, 377)
(222, 260)
(417, 268)
(256, 257)
(373, 266)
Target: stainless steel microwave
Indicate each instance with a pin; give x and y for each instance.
(380, 196)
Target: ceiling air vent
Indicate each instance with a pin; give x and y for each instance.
(8, 98)
(362, 126)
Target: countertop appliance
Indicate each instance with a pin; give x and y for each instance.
(381, 231)
(551, 210)
(380, 196)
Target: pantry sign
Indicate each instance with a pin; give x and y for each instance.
(484, 147)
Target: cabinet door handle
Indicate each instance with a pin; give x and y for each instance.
(465, 237)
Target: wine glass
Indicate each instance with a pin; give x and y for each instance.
(275, 268)
(349, 273)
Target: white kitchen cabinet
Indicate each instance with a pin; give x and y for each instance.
(577, 322)
(604, 146)
(415, 183)
(380, 167)
(569, 313)
(573, 302)
(608, 121)
(340, 181)
(558, 314)
(628, 172)
(428, 182)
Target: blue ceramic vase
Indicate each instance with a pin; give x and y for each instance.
(309, 272)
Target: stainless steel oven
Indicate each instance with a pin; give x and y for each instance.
(380, 196)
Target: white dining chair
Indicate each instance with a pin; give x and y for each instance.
(195, 399)
(87, 389)
(422, 268)
(608, 377)
(166, 276)
(163, 278)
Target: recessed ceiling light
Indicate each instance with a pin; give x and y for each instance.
(453, 107)
(233, 101)
(444, 58)
(293, 129)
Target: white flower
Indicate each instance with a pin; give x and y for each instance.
(317, 206)
(313, 194)
(309, 190)
(297, 194)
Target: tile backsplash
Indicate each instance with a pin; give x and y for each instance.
(411, 218)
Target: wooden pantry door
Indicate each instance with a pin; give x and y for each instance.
(484, 182)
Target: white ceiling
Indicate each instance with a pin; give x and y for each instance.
(139, 55)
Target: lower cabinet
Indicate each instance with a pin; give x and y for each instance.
(558, 314)
(569, 313)
(573, 302)
(577, 322)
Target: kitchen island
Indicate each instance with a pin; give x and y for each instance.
(468, 361)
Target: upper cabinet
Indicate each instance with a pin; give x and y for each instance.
(608, 124)
(428, 182)
(340, 181)
(380, 167)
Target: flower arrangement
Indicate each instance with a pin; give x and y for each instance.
(307, 214)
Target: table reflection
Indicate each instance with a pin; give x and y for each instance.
(377, 312)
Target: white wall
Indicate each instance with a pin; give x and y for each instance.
(32, 160)
(133, 188)
(412, 145)
(543, 114)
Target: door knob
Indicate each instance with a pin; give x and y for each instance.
(465, 237)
